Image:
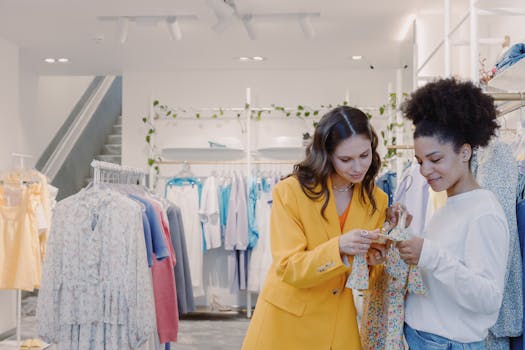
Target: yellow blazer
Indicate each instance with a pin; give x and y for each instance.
(304, 303)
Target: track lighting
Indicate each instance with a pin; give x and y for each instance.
(247, 21)
(306, 27)
(173, 28)
(122, 24)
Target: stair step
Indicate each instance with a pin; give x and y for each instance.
(115, 149)
(109, 158)
(117, 129)
(119, 119)
(113, 138)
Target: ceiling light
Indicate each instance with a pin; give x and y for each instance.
(123, 24)
(244, 58)
(306, 27)
(50, 60)
(357, 58)
(173, 28)
(407, 26)
(247, 22)
(63, 60)
(258, 58)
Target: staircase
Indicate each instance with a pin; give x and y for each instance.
(112, 150)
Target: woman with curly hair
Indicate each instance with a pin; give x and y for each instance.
(326, 213)
(463, 251)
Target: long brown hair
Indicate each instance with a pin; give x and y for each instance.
(334, 127)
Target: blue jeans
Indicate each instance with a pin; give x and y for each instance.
(418, 340)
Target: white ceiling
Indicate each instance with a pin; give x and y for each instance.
(68, 28)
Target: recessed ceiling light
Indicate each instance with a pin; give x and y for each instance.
(50, 60)
(244, 58)
(258, 58)
(63, 60)
(357, 58)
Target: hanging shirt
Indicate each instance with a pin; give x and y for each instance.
(186, 197)
(209, 213)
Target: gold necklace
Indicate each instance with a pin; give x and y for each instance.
(343, 189)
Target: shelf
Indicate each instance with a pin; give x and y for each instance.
(204, 154)
(283, 153)
(511, 79)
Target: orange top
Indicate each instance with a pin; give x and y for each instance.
(342, 217)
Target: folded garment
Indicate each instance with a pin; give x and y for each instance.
(514, 54)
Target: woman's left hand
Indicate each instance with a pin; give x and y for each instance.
(410, 250)
(392, 214)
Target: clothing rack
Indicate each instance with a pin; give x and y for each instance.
(19, 162)
(123, 174)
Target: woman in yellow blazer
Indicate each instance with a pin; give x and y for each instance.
(325, 213)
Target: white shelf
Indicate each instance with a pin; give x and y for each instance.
(202, 154)
(281, 153)
(511, 79)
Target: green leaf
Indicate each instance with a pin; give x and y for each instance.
(382, 110)
(246, 106)
(151, 131)
(221, 112)
(145, 119)
(151, 161)
(382, 134)
(315, 124)
(330, 105)
(148, 138)
(238, 115)
(288, 114)
(345, 103)
(214, 116)
(298, 114)
(198, 115)
(300, 108)
(259, 113)
(306, 114)
(316, 112)
(167, 114)
(174, 115)
(156, 167)
(155, 103)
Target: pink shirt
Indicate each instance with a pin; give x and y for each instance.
(164, 288)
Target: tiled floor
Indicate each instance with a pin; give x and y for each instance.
(200, 332)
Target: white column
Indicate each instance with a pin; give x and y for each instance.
(446, 31)
(399, 131)
(248, 174)
(474, 74)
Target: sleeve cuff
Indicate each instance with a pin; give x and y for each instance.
(428, 255)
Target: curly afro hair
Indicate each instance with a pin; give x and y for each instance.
(454, 111)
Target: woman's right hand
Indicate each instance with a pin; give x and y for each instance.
(357, 242)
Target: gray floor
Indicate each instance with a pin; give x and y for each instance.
(201, 331)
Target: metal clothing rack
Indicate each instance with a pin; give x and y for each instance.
(120, 173)
(19, 162)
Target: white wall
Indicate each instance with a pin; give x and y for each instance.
(228, 89)
(11, 140)
(47, 102)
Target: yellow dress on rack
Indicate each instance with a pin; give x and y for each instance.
(22, 243)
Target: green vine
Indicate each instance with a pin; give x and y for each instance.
(388, 135)
(162, 111)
